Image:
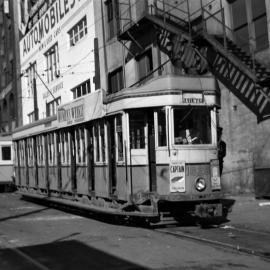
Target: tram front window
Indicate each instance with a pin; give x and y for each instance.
(192, 125)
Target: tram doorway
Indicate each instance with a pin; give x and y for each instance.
(111, 155)
(151, 151)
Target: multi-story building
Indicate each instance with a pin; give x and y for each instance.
(9, 68)
(145, 40)
(57, 55)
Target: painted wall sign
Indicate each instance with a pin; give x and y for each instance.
(193, 98)
(177, 177)
(53, 90)
(53, 16)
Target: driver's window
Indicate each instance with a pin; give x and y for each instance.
(192, 125)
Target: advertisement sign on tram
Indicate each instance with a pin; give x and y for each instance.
(177, 177)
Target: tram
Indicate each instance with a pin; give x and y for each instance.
(6, 163)
(148, 152)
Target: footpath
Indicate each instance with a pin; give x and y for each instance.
(250, 213)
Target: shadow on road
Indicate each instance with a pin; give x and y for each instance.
(62, 255)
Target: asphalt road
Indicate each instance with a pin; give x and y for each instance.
(35, 236)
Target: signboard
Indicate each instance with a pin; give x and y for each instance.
(177, 177)
(215, 178)
(71, 113)
(193, 98)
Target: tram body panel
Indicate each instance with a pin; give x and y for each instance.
(82, 181)
(102, 181)
(66, 178)
(122, 182)
(32, 176)
(42, 177)
(53, 177)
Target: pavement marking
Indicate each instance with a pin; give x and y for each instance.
(50, 218)
(264, 204)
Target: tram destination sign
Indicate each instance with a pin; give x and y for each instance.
(72, 113)
(193, 98)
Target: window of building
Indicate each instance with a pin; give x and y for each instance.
(82, 89)
(145, 64)
(116, 81)
(111, 19)
(192, 125)
(51, 107)
(31, 77)
(52, 60)
(161, 119)
(31, 117)
(78, 31)
(136, 129)
(6, 153)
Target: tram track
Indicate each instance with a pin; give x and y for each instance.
(235, 239)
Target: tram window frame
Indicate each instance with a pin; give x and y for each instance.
(100, 143)
(40, 145)
(80, 142)
(22, 153)
(2, 154)
(119, 138)
(191, 126)
(157, 121)
(64, 148)
(137, 144)
(15, 149)
(30, 151)
(52, 149)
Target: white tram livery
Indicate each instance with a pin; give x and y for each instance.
(6, 163)
(149, 151)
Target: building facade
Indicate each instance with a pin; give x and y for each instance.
(9, 68)
(57, 55)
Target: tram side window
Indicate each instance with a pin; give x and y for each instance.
(119, 138)
(40, 150)
(15, 147)
(22, 153)
(51, 149)
(64, 147)
(192, 125)
(80, 145)
(6, 153)
(162, 137)
(30, 154)
(136, 126)
(100, 145)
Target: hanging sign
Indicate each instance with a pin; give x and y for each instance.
(177, 177)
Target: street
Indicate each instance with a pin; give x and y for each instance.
(35, 236)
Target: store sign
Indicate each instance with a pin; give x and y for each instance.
(193, 98)
(72, 113)
(177, 177)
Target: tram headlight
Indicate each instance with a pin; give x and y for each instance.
(200, 184)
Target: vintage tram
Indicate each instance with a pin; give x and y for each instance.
(148, 151)
(6, 163)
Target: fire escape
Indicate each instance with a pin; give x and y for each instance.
(186, 36)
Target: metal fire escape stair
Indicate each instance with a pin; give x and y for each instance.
(231, 65)
(198, 51)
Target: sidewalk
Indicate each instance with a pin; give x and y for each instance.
(250, 213)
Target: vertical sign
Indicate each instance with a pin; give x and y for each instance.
(177, 177)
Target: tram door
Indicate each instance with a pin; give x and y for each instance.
(111, 155)
(151, 151)
(90, 159)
